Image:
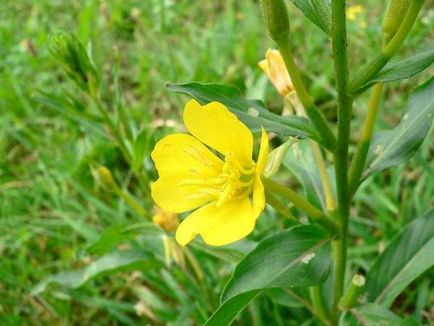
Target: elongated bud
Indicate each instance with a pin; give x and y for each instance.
(395, 12)
(353, 292)
(75, 60)
(106, 179)
(276, 18)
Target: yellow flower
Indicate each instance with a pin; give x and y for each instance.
(274, 67)
(354, 11)
(166, 220)
(225, 188)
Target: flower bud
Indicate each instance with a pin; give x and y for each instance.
(164, 219)
(275, 69)
(105, 178)
(68, 50)
(395, 13)
(276, 18)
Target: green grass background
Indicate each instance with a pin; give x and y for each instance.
(51, 208)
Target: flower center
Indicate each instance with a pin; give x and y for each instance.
(235, 181)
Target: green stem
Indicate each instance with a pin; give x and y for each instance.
(279, 206)
(359, 159)
(317, 298)
(375, 65)
(311, 110)
(301, 203)
(340, 57)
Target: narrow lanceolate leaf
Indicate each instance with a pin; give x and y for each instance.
(406, 257)
(299, 256)
(317, 11)
(111, 262)
(251, 112)
(395, 146)
(370, 314)
(402, 69)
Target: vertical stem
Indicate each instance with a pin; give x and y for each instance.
(339, 44)
(359, 159)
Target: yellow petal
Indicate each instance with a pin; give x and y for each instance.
(183, 154)
(214, 125)
(183, 163)
(263, 153)
(218, 226)
(171, 194)
(258, 196)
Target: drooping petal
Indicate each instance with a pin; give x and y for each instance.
(214, 125)
(263, 153)
(184, 166)
(218, 226)
(258, 196)
(183, 154)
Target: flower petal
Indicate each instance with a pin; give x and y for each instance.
(184, 165)
(263, 153)
(214, 125)
(258, 196)
(218, 226)
(171, 194)
(183, 154)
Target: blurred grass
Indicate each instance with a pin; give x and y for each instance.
(50, 206)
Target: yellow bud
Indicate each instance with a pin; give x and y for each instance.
(395, 12)
(166, 220)
(276, 19)
(275, 69)
(106, 179)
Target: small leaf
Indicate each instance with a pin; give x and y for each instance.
(299, 256)
(275, 158)
(317, 11)
(109, 263)
(251, 112)
(392, 147)
(406, 257)
(402, 69)
(369, 314)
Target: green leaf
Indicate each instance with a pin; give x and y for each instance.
(402, 69)
(406, 257)
(251, 112)
(317, 11)
(369, 315)
(392, 147)
(227, 312)
(115, 261)
(299, 256)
